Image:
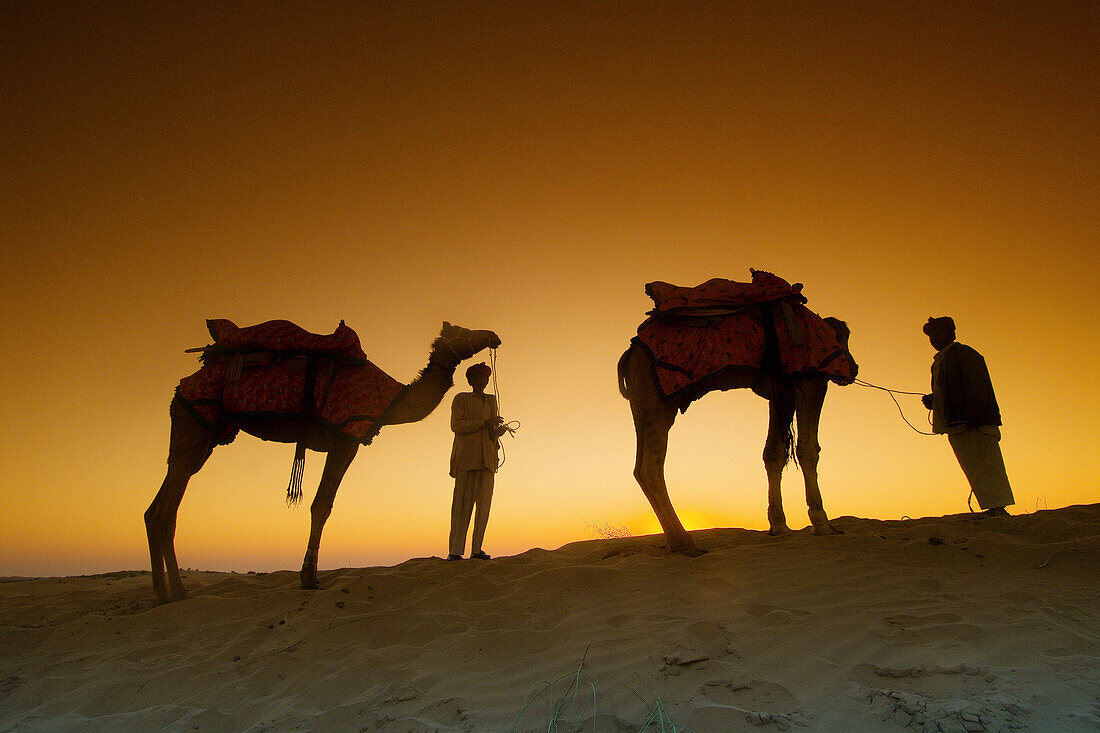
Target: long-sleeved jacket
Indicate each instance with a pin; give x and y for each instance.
(475, 448)
(962, 392)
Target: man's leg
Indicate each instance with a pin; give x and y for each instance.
(462, 506)
(979, 455)
(484, 500)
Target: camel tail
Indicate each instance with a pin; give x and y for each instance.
(787, 439)
(624, 388)
(789, 446)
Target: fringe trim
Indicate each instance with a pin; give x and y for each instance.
(294, 488)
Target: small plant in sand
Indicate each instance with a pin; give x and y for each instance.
(609, 531)
(572, 704)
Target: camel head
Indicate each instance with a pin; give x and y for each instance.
(842, 334)
(462, 342)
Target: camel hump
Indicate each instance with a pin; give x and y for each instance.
(283, 336)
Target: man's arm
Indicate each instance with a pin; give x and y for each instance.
(462, 423)
(968, 387)
(952, 383)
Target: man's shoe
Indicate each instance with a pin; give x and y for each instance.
(452, 558)
(481, 556)
(997, 511)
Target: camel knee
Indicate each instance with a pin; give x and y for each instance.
(156, 522)
(776, 454)
(159, 524)
(645, 477)
(320, 511)
(808, 453)
(649, 472)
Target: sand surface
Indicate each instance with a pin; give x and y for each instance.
(947, 623)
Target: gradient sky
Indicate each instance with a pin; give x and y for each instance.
(528, 167)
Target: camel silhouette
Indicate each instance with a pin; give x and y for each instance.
(193, 440)
(789, 396)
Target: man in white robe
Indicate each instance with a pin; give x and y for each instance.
(477, 428)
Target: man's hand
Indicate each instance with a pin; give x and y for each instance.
(927, 401)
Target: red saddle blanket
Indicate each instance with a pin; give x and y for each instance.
(349, 392)
(722, 294)
(285, 337)
(686, 350)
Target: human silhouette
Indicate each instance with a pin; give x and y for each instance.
(477, 428)
(965, 408)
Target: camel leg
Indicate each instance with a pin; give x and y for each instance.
(652, 428)
(809, 398)
(776, 454)
(189, 446)
(336, 464)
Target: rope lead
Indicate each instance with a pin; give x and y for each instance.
(893, 392)
(512, 425)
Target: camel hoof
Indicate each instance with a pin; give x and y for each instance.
(177, 594)
(779, 531)
(826, 529)
(309, 581)
(689, 550)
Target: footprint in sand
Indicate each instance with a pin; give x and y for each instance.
(933, 630)
(776, 616)
(699, 642)
(963, 698)
(741, 703)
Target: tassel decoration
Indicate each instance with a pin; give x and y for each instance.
(297, 470)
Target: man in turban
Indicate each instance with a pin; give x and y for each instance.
(965, 408)
(477, 429)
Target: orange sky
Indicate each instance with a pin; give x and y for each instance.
(528, 167)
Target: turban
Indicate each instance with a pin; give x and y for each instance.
(939, 325)
(481, 368)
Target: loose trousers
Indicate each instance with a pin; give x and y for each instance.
(979, 454)
(472, 489)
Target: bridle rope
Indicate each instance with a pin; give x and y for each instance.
(512, 425)
(893, 392)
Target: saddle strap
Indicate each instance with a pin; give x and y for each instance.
(305, 414)
(792, 325)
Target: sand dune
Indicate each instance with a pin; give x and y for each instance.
(935, 624)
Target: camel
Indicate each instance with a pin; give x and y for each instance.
(192, 442)
(788, 395)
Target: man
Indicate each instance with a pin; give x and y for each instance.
(964, 407)
(477, 428)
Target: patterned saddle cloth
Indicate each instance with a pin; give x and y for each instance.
(694, 333)
(283, 337)
(718, 296)
(264, 370)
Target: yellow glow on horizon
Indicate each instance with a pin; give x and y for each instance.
(693, 519)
